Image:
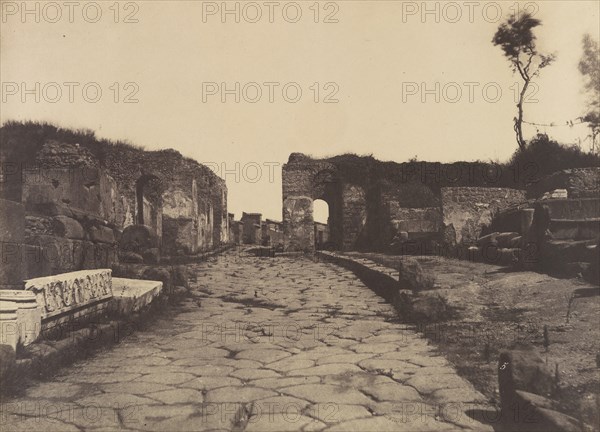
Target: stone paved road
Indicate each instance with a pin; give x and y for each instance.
(264, 345)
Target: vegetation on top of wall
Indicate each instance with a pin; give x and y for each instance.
(548, 156)
(21, 141)
(420, 181)
(31, 136)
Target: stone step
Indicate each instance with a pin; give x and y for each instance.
(582, 208)
(560, 252)
(576, 229)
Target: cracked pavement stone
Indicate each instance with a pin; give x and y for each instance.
(285, 344)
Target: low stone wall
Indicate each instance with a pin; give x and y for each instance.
(466, 210)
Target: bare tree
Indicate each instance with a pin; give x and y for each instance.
(589, 66)
(516, 39)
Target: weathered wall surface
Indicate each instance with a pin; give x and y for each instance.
(79, 194)
(272, 233)
(354, 210)
(252, 233)
(579, 183)
(414, 220)
(298, 224)
(237, 231)
(74, 216)
(188, 190)
(467, 210)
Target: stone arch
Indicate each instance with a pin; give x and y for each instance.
(303, 182)
(327, 186)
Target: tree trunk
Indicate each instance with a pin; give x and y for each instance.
(519, 119)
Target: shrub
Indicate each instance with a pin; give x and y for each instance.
(548, 156)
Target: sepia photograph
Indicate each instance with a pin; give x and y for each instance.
(299, 216)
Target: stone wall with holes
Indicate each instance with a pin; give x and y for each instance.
(467, 210)
(73, 220)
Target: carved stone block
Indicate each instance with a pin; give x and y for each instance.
(62, 293)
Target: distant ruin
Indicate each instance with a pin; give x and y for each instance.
(466, 210)
(371, 202)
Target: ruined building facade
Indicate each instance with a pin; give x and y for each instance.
(372, 203)
(92, 204)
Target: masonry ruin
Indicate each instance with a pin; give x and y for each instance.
(76, 209)
(93, 204)
(371, 202)
(464, 210)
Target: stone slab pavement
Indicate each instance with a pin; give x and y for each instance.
(283, 344)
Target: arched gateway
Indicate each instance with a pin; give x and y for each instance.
(306, 180)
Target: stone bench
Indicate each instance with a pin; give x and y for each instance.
(133, 295)
(80, 295)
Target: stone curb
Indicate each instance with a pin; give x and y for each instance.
(175, 260)
(384, 281)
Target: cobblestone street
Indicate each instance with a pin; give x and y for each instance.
(263, 345)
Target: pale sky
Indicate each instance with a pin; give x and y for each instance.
(374, 57)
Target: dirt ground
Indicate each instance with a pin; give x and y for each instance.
(496, 308)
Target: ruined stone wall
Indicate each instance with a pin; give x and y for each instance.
(303, 181)
(370, 201)
(416, 222)
(74, 217)
(252, 233)
(237, 232)
(79, 193)
(272, 233)
(354, 216)
(466, 210)
(194, 199)
(579, 183)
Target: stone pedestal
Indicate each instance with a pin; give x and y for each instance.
(29, 318)
(9, 329)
